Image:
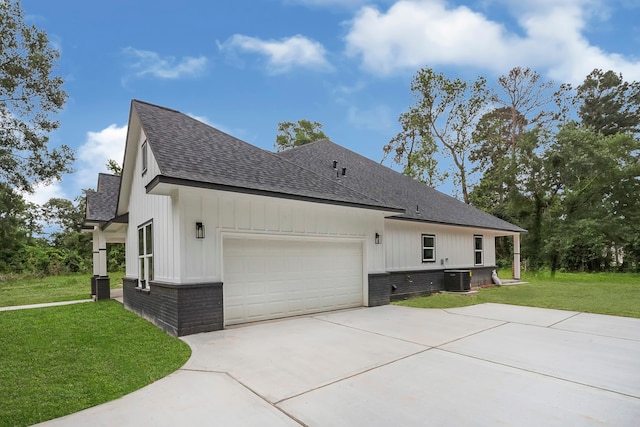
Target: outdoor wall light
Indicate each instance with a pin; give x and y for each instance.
(199, 230)
(378, 239)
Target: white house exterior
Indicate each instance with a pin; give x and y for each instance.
(220, 232)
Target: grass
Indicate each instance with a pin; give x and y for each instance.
(604, 293)
(69, 287)
(58, 360)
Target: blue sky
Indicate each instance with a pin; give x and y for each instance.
(243, 66)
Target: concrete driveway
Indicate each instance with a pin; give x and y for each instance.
(483, 365)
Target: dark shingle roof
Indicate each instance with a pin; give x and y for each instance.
(101, 204)
(383, 183)
(190, 151)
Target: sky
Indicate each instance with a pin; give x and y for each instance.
(244, 66)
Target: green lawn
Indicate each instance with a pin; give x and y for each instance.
(59, 360)
(50, 289)
(605, 293)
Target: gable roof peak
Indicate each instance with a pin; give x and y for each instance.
(137, 101)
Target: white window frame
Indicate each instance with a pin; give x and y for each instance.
(145, 255)
(426, 247)
(478, 251)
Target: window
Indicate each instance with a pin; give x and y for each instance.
(145, 255)
(478, 250)
(428, 248)
(144, 157)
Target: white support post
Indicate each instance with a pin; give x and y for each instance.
(516, 256)
(96, 251)
(102, 256)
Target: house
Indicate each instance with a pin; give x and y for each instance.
(220, 232)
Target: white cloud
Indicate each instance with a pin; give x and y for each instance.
(92, 157)
(98, 148)
(415, 33)
(42, 193)
(168, 67)
(285, 54)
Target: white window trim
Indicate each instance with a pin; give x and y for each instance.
(147, 254)
(480, 251)
(433, 259)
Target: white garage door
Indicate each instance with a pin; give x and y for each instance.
(267, 279)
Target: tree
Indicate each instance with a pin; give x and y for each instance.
(608, 104)
(64, 213)
(29, 97)
(524, 101)
(445, 112)
(295, 134)
(495, 155)
(509, 143)
(12, 225)
(598, 178)
(114, 167)
(415, 150)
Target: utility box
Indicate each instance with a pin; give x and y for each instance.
(457, 280)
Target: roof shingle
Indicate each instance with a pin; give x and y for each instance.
(187, 149)
(101, 204)
(421, 203)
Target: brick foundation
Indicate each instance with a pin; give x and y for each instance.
(178, 309)
(378, 289)
(193, 308)
(400, 285)
(103, 287)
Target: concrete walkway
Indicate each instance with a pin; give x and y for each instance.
(116, 294)
(47, 304)
(483, 365)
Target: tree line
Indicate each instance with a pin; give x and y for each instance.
(559, 161)
(30, 97)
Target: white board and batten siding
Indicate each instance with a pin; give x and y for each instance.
(225, 215)
(143, 208)
(454, 245)
(277, 257)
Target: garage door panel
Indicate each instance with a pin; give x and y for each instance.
(265, 279)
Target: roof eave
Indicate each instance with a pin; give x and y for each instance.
(159, 185)
(484, 227)
(89, 224)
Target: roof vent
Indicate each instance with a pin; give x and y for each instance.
(335, 164)
(418, 210)
(344, 171)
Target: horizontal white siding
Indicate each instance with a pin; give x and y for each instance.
(454, 246)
